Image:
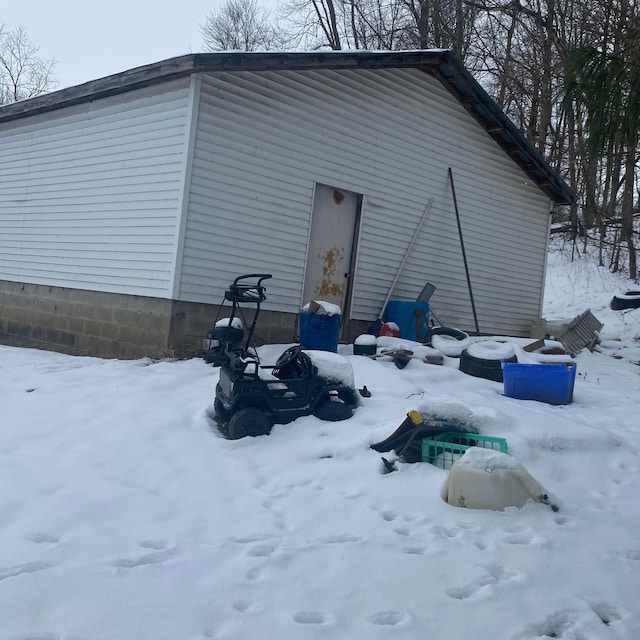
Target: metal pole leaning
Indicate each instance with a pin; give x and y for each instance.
(464, 255)
(406, 255)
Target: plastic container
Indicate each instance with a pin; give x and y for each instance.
(320, 331)
(405, 316)
(365, 345)
(390, 329)
(550, 383)
(444, 449)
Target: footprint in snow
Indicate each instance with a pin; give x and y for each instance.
(445, 532)
(340, 539)
(414, 551)
(314, 617)
(43, 538)
(256, 537)
(485, 584)
(607, 613)
(19, 569)
(390, 618)
(262, 550)
(245, 606)
(526, 538)
(154, 544)
(569, 623)
(159, 554)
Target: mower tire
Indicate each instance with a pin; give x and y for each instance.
(333, 410)
(221, 413)
(249, 422)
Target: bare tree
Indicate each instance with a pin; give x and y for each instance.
(521, 51)
(605, 81)
(241, 25)
(23, 74)
(315, 24)
(382, 24)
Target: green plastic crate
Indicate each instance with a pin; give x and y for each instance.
(444, 449)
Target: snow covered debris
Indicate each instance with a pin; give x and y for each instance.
(322, 307)
(487, 479)
(366, 339)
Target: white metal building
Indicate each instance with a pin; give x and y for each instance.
(129, 203)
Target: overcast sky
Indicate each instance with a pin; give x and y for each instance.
(91, 40)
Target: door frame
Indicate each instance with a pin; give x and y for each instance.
(353, 263)
(353, 259)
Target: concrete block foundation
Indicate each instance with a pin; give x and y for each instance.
(81, 322)
(110, 325)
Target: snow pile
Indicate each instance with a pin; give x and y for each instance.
(491, 350)
(235, 323)
(127, 515)
(332, 366)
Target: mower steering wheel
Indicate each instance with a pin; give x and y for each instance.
(288, 356)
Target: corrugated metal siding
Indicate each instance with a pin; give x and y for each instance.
(264, 139)
(90, 195)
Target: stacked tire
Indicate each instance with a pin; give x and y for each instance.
(628, 300)
(484, 359)
(450, 342)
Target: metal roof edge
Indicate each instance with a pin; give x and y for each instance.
(459, 81)
(181, 66)
(441, 63)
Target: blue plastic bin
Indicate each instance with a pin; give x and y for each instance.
(550, 383)
(404, 315)
(318, 331)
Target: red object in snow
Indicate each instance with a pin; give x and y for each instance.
(390, 329)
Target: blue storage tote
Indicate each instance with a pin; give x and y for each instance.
(404, 315)
(550, 383)
(320, 331)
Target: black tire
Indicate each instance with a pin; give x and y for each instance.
(222, 414)
(333, 410)
(633, 302)
(482, 368)
(249, 422)
(445, 331)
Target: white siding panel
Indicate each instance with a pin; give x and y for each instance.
(264, 139)
(90, 195)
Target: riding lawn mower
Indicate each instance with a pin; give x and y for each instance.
(250, 397)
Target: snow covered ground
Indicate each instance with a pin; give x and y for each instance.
(126, 516)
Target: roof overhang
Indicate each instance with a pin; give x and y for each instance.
(440, 63)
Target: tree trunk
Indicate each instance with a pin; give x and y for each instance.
(627, 209)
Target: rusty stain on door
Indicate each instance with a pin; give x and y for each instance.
(332, 283)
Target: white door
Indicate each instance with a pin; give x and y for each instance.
(331, 246)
